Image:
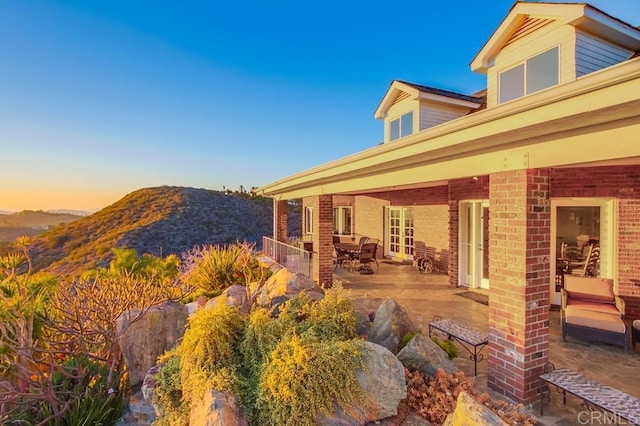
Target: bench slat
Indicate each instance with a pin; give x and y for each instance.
(603, 396)
(462, 332)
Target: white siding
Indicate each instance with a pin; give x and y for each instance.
(593, 54)
(433, 113)
(554, 34)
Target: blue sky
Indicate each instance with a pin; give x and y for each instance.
(100, 98)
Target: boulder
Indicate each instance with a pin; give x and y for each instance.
(422, 354)
(470, 412)
(282, 286)
(235, 295)
(142, 341)
(148, 389)
(139, 412)
(405, 417)
(216, 409)
(390, 324)
(383, 385)
(363, 324)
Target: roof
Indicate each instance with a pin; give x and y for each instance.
(582, 15)
(418, 91)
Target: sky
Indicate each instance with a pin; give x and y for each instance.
(100, 98)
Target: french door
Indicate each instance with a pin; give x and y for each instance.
(400, 232)
(579, 223)
(473, 263)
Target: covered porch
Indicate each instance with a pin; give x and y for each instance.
(424, 296)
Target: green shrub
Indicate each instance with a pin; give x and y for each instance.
(168, 394)
(209, 352)
(406, 339)
(213, 268)
(304, 378)
(447, 346)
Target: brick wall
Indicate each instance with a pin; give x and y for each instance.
(369, 217)
(520, 221)
(623, 184)
(280, 232)
(323, 241)
(431, 231)
(461, 189)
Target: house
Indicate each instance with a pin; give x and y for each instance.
(493, 184)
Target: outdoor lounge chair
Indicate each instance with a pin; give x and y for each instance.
(367, 256)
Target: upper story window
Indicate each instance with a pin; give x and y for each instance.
(401, 127)
(536, 73)
(308, 220)
(342, 221)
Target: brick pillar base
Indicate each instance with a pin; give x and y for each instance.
(323, 241)
(519, 243)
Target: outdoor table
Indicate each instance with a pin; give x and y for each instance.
(352, 250)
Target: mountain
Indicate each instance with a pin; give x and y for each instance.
(5, 212)
(159, 221)
(31, 223)
(73, 212)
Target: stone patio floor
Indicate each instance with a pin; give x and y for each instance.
(425, 295)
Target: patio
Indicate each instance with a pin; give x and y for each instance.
(427, 295)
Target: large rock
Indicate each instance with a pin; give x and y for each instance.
(470, 412)
(390, 324)
(138, 412)
(216, 409)
(142, 341)
(148, 389)
(282, 286)
(422, 354)
(383, 384)
(235, 295)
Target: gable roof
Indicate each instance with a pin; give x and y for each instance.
(523, 17)
(400, 90)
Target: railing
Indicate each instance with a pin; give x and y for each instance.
(296, 260)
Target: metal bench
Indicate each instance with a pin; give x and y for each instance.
(595, 395)
(467, 337)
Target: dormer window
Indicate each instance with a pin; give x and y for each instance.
(534, 74)
(401, 126)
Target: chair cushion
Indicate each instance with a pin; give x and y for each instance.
(589, 288)
(592, 319)
(608, 308)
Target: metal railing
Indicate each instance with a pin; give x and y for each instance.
(296, 260)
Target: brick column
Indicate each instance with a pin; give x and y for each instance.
(280, 216)
(323, 241)
(519, 227)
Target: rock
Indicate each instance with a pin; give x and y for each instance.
(422, 354)
(282, 286)
(139, 412)
(216, 409)
(148, 389)
(470, 412)
(390, 324)
(383, 385)
(142, 341)
(405, 417)
(235, 295)
(362, 324)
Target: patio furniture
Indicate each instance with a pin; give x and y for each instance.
(588, 267)
(340, 257)
(366, 256)
(468, 338)
(591, 311)
(635, 333)
(351, 250)
(594, 394)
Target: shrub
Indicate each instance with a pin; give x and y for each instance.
(406, 339)
(168, 395)
(304, 378)
(447, 346)
(213, 268)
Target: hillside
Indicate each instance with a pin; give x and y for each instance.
(159, 221)
(31, 223)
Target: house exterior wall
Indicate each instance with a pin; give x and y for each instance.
(513, 54)
(461, 189)
(593, 54)
(623, 184)
(434, 113)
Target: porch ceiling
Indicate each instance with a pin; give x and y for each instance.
(594, 120)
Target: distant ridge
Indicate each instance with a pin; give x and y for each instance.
(71, 211)
(159, 221)
(5, 212)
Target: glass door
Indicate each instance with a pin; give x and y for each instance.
(473, 245)
(400, 232)
(576, 226)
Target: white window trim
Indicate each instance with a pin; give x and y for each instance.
(399, 120)
(308, 220)
(524, 61)
(340, 224)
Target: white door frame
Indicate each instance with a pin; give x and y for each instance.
(607, 237)
(471, 247)
(405, 235)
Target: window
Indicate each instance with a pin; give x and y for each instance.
(401, 127)
(534, 74)
(342, 221)
(308, 220)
